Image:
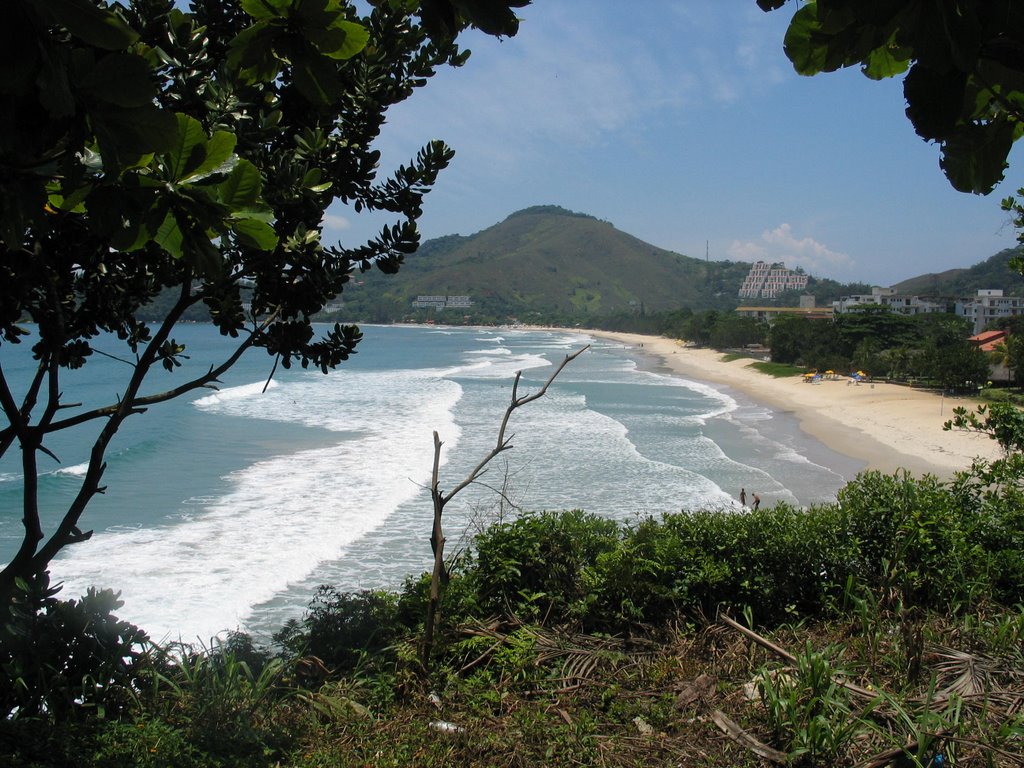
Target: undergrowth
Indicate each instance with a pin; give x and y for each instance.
(886, 627)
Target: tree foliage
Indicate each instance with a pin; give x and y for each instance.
(931, 346)
(147, 148)
(964, 65)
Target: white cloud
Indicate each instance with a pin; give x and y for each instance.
(781, 244)
(334, 222)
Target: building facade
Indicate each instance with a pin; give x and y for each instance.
(887, 297)
(442, 302)
(767, 281)
(990, 304)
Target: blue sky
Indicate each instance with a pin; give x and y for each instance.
(683, 124)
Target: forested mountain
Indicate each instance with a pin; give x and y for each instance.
(549, 262)
(994, 272)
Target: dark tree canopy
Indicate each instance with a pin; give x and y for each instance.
(145, 149)
(964, 65)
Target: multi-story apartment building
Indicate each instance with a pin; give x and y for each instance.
(887, 297)
(989, 305)
(767, 281)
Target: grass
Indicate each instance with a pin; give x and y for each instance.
(705, 696)
(778, 370)
(1012, 395)
(833, 692)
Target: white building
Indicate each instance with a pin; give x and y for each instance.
(442, 302)
(989, 305)
(887, 297)
(767, 281)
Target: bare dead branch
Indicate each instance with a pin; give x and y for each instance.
(440, 499)
(503, 443)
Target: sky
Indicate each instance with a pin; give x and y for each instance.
(683, 124)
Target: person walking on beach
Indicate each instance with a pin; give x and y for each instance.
(757, 502)
(743, 497)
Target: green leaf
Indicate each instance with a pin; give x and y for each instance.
(255, 233)
(886, 61)
(93, 25)
(317, 80)
(266, 9)
(974, 157)
(342, 40)
(170, 237)
(219, 151)
(242, 187)
(189, 150)
(125, 136)
(252, 53)
(935, 100)
(801, 46)
(74, 201)
(494, 18)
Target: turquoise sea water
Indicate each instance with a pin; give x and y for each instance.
(226, 508)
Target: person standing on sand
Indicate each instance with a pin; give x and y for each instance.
(757, 502)
(743, 497)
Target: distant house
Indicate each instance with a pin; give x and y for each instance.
(887, 297)
(767, 281)
(442, 302)
(769, 314)
(989, 305)
(987, 341)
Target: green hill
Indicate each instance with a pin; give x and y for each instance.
(549, 262)
(994, 272)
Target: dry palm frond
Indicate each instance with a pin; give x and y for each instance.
(963, 673)
(583, 655)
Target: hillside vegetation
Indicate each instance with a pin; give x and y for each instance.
(549, 265)
(548, 261)
(993, 272)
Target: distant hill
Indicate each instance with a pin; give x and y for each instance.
(994, 272)
(552, 262)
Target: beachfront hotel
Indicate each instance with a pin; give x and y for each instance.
(767, 281)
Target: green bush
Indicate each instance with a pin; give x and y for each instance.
(230, 714)
(343, 628)
(783, 562)
(533, 566)
(67, 659)
(915, 537)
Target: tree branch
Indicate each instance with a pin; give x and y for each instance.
(503, 443)
(440, 499)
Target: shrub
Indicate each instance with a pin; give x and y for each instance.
(63, 659)
(341, 628)
(915, 537)
(533, 566)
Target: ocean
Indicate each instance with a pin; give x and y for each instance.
(226, 508)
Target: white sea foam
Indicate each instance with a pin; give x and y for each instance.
(75, 470)
(285, 514)
(236, 393)
(332, 488)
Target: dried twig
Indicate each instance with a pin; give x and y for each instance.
(440, 499)
(743, 738)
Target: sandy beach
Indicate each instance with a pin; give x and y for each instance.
(889, 427)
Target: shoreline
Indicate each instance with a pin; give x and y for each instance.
(888, 427)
